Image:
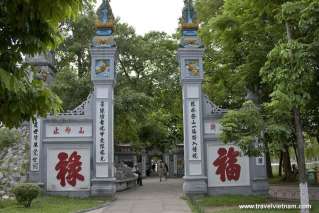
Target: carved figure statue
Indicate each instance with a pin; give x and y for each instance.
(104, 12)
(189, 13)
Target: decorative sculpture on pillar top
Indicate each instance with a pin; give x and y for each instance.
(104, 12)
(189, 13)
(189, 27)
(104, 26)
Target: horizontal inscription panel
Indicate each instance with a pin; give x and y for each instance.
(67, 130)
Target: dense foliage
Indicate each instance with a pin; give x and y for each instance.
(243, 126)
(148, 105)
(148, 109)
(8, 137)
(265, 51)
(28, 28)
(25, 193)
(248, 52)
(71, 88)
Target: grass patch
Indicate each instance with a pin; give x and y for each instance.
(193, 208)
(276, 180)
(193, 205)
(231, 200)
(230, 203)
(52, 204)
(280, 181)
(314, 209)
(254, 211)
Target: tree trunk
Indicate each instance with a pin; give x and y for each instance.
(304, 196)
(303, 186)
(268, 161)
(280, 164)
(287, 164)
(296, 153)
(80, 65)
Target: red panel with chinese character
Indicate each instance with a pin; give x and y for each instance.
(226, 163)
(69, 169)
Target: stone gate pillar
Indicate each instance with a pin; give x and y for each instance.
(190, 56)
(103, 53)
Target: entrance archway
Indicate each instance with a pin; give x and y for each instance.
(86, 135)
(145, 160)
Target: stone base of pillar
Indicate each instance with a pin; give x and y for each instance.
(34, 177)
(260, 186)
(103, 187)
(195, 185)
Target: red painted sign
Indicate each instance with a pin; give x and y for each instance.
(81, 131)
(69, 168)
(226, 164)
(56, 131)
(68, 130)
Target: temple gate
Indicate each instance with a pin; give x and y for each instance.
(211, 167)
(73, 153)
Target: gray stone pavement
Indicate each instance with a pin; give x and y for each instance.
(153, 197)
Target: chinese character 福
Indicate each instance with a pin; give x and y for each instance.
(226, 163)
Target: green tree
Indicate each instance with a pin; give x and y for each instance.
(243, 126)
(73, 52)
(291, 71)
(238, 37)
(148, 92)
(269, 49)
(8, 137)
(71, 88)
(28, 28)
(148, 110)
(72, 81)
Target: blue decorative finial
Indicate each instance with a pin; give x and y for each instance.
(104, 26)
(104, 12)
(189, 19)
(189, 13)
(105, 21)
(189, 27)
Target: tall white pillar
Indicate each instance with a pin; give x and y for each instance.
(190, 55)
(103, 55)
(195, 180)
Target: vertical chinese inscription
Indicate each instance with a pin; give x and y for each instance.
(35, 145)
(101, 132)
(194, 130)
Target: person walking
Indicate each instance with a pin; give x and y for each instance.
(161, 170)
(166, 170)
(136, 170)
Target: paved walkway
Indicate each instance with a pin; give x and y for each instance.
(153, 197)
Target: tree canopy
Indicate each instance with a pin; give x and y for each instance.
(266, 51)
(28, 28)
(248, 52)
(148, 107)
